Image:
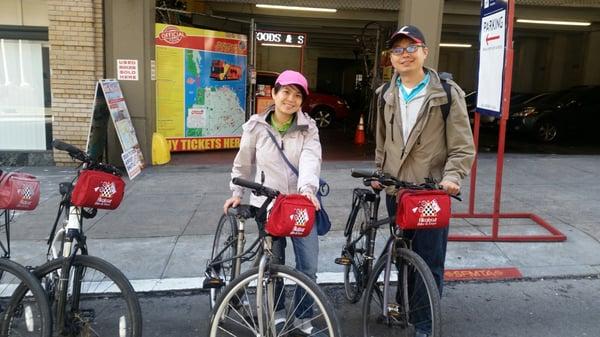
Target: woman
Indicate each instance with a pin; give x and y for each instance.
(297, 134)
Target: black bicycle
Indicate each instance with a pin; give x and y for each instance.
(268, 300)
(400, 293)
(88, 295)
(22, 313)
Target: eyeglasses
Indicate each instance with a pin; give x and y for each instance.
(410, 49)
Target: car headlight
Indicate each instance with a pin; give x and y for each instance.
(528, 111)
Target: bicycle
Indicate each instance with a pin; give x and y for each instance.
(393, 302)
(88, 295)
(26, 314)
(225, 263)
(250, 304)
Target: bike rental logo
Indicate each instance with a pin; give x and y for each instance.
(300, 218)
(26, 192)
(105, 191)
(428, 212)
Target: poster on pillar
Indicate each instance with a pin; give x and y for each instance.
(492, 45)
(200, 87)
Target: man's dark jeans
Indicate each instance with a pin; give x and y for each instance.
(431, 245)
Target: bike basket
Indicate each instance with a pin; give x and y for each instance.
(423, 209)
(291, 215)
(20, 191)
(98, 189)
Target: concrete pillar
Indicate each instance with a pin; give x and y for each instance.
(591, 66)
(557, 62)
(427, 15)
(524, 65)
(129, 34)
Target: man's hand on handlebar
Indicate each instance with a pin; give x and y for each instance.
(231, 202)
(377, 185)
(450, 187)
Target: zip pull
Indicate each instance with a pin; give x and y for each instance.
(282, 144)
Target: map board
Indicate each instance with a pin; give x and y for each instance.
(200, 87)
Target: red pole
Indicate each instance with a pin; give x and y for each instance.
(477, 124)
(504, 116)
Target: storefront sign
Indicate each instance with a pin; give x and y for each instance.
(127, 70)
(281, 38)
(492, 48)
(200, 87)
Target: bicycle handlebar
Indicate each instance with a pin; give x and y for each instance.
(257, 188)
(80, 155)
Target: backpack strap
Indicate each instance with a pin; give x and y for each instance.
(381, 101)
(446, 107)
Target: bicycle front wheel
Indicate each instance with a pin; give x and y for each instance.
(412, 302)
(356, 247)
(224, 247)
(285, 306)
(25, 311)
(100, 300)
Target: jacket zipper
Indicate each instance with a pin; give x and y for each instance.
(392, 126)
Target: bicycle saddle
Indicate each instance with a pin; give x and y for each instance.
(241, 211)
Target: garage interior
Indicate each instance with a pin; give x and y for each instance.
(341, 47)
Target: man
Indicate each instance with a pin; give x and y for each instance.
(417, 141)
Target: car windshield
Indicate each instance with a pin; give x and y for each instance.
(552, 98)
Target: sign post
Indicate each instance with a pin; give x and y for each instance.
(493, 98)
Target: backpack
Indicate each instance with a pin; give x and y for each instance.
(444, 77)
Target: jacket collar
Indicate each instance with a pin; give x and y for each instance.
(434, 94)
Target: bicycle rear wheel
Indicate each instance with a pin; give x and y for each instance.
(236, 312)
(25, 313)
(103, 303)
(355, 249)
(224, 247)
(413, 301)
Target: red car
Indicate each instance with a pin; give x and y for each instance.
(323, 108)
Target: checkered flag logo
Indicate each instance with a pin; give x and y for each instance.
(107, 189)
(428, 208)
(26, 192)
(300, 216)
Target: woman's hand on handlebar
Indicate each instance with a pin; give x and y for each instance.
(313, 199)
(450, 187)
(231, 202)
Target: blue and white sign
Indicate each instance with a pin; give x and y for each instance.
(492, 46)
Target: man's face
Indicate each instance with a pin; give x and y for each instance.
(407, 63)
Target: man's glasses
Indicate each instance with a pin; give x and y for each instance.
(410, 49)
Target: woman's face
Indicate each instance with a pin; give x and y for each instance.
(287, 100)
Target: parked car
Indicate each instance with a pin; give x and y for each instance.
(516, 98)
(325, 109)
(554, 115)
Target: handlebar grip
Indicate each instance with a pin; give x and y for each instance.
(258, 188)
(357, 173)
(60, 145)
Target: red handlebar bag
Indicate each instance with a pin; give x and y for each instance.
(291, 215)
(19, 190)
(98, 189)
(422, 209)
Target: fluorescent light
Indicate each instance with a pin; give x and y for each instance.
(280, 45)
(297, 8)
(455, 45)
(550, 22)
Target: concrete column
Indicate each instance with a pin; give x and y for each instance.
(427, 15)
(557, 62)
(129, 34)
(591, 66)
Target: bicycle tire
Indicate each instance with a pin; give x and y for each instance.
(354, 274)
(237, 300)
(225, 239)
(402, 321)
(27, 313)
(101, 286)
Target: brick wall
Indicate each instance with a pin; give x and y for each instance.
(77, 61)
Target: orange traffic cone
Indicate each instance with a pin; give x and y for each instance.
(359, 136)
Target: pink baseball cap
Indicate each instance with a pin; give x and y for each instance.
(293, 77)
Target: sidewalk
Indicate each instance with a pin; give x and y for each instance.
(161, 235)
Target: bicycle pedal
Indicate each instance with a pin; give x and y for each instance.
(344, 261)
(212, 282)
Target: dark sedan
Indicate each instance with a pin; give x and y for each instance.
(573, 110)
